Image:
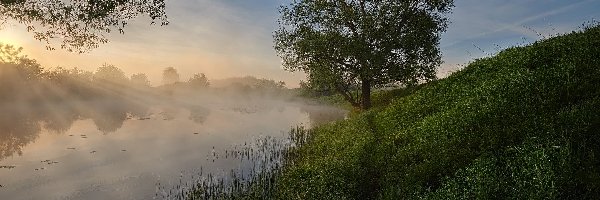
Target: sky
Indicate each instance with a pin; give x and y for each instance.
(233, 38)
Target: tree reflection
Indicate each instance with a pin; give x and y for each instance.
(109, 120)
(21, 122)
(55, 118)
(321, 114)
(109, 115)
(16, 131)
(198, 114)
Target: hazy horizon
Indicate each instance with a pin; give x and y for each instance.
(234, 38)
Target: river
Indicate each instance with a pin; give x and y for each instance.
(108, 151)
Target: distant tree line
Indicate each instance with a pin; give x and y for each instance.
(171, 77)
(22, 78)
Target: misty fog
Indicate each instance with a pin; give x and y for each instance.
(68, 132)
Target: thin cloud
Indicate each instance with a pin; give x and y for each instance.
(517, 26)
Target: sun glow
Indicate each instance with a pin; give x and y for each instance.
(12, 36)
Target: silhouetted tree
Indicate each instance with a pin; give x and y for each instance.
(140, 80)
(360, 44)
(110, 74)
(267, 84)
(18, 65)
(60, 75)
(17, 74)
(10, 54)
(80, 24)
(199, 81)
(170, 76)
(75, 82)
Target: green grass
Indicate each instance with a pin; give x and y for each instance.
(522, 124)
(380, 99)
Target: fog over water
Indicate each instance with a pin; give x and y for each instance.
(80, 139)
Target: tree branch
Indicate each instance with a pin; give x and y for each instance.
(347, 94)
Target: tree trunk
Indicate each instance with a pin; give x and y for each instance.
(366, 94)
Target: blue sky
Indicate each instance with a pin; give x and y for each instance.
(226, 38)
(493, 25)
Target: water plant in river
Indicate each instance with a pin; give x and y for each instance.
(262, 159)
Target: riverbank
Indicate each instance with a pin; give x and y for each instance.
(523, 124)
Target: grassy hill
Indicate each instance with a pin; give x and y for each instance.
(522, 124)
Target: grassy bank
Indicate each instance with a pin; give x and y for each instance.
(522, 124)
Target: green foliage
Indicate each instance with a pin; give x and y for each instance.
(356, 45)
(81, 25)
(308, 89)
(524, 124)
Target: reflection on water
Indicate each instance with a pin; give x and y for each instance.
(100, 149)
(319, 114)
(198, 114)
(21, 124)
(17, 131)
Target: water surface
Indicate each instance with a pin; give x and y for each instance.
(107, 150)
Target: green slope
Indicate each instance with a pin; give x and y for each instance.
(522, 124)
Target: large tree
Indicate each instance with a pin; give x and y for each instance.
(80, 24)
(352, 46)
